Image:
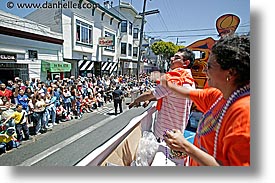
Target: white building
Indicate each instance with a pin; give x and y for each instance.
(129, 37)
(24, 45)
(82, 29)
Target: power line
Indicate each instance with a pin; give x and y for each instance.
(199, 35)
(171, 12)
(163, 21)
(190, 30)
(150, 26)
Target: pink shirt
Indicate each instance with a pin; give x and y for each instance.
(174, 113)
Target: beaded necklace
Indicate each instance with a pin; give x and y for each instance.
(173, 154)
(210, 122)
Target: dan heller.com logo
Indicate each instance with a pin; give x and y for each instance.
(50, 5)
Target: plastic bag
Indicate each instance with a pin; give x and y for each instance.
(147, 150)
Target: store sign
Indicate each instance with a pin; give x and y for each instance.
(33, 54)
(130, 65)
(85, 57)
(52, 66)
(62, 67)
(106, 41)
(7, 57)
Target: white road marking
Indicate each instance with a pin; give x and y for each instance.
(64, 143)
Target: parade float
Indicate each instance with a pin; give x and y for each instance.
(133, 145)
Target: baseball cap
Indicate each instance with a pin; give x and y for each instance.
(17, 78)
(10, 131)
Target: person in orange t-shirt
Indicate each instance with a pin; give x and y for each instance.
(223, 134)
(4, 92)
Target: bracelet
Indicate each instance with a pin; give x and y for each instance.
(177, 154)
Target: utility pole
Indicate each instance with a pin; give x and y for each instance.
(140, 39)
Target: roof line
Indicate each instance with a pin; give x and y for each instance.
(104, 9)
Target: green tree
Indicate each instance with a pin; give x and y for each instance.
(165, 50)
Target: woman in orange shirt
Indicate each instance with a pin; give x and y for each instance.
(223, 134)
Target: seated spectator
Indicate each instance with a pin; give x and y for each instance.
(88, 103)
(8, 140)
(94, 102)
(21, 123)
(6, 114)
(60, 114)
(109, 95)
(100, 100)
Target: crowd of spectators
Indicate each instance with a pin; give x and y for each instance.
(55, 101)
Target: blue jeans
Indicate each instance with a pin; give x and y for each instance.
(19, 128)
(2, 147)
(27, 109)
(8, 146)
(52, 113)
(37, 117)
(68, 107)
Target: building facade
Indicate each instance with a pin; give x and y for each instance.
(129, 37)
(29, 50)
(90, 37)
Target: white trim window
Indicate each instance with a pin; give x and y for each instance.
(123, 48)
(130, 28)
(135, 52)
(130, 50)
(84, 33)
(123, 26)
(110, 48)
(136, 33)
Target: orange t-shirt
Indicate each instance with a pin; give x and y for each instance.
(233, 146)
(177, 76)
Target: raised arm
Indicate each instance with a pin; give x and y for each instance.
(7, 119)
(179, 90)
(143, 97)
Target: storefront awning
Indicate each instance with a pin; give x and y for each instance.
(55, 66)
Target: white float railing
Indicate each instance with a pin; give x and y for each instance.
(96, 157)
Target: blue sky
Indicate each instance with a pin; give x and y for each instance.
(179, 20)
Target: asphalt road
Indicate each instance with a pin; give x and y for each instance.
(71, 141)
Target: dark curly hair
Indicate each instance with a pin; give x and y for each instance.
(188, 55)
(233, 52)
